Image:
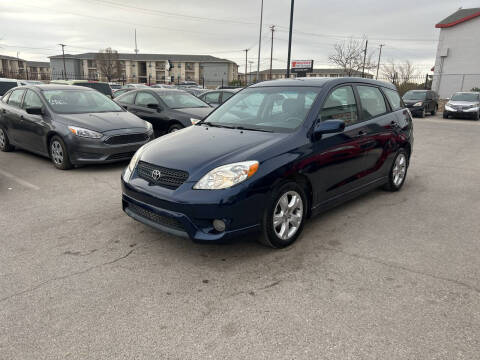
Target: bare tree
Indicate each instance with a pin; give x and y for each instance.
(399, 73)
(349, 55)
(108, 64)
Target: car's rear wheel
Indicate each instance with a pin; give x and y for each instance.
(398, 171)
(284, 216)
(175, 127)
(59, 154)
(4, 142)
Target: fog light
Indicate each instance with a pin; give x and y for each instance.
(219, 225)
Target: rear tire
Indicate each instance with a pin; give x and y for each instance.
(398, 172)
(59, 154)
(175, 127)
(284, 216)
(4, 142)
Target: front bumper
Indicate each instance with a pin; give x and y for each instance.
(472, 112)
(96, 151)
(189, 213)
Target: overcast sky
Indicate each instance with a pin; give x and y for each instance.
(223, 28)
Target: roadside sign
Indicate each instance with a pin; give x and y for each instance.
(302, 66)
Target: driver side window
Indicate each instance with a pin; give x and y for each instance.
(143, 99)
(340, 105)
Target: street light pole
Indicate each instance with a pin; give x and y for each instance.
(364, 58)
(260, 41)
(379, 57)
(64, 66)
(272, 28)
(290, 37)
(246, 64)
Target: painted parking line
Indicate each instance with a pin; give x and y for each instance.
(19, 180)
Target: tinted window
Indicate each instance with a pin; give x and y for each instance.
(280, 109)
(226, 96)
(6, 85)
(15, 98)
(79, 101)
(180, 100)
(340, 105)
(102, 87)
(212, 97)
(393, 99)
(32, 100)
(127, 98)
(372, 101)
(143, 99)
(415, 95)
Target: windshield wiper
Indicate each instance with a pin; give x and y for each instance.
(252, 129)
(216, 125)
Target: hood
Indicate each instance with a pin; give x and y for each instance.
(412, 101)
(462, 103)
(103, 122)
(198, 112)
(199, 149)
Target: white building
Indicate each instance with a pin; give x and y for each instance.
(457, 64)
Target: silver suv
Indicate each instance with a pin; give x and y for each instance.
(463, 104)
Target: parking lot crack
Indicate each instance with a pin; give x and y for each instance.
(58, 278)
(405, 268)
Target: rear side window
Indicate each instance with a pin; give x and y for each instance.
(212, 97)
(340, 105)
(393, 99)
(127, 98)
(372, 101)
(32, 100)
(144, 99)
(15, 98)
(226, 96)
(5, 97)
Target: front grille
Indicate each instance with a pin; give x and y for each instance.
(156, 218)
(127, 139)
(127, 155)
(169, 178)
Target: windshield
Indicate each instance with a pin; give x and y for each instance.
(415, 95)
(278, 109)
(181, 100)
(6, 85)
(79, 102)
(102, 87)
(465, 97)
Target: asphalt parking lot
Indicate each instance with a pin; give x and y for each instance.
(387, 276)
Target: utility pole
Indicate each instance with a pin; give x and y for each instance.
(272, 28)
(379, 57)
(292, 4)
(136, 47)
(260, 42)
(364, 58)
(251, 62)
(246, 64)
(64, 66)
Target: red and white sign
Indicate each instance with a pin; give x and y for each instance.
(302, 65)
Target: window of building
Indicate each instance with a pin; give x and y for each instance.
(340, 105)
(372, 100)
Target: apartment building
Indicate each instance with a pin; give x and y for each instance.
(15, 68)
(148, 68)
(281, 74)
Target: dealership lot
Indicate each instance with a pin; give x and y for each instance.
(386, 276)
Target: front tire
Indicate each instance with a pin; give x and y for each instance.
(4, 142)
(434, 111)
(284, 216)
(476, 117)
(445, 115)
(175, 127)
(59, 154)
(398, 172)
(423, 113)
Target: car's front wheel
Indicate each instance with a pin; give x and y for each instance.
(476, 116)
(284, 216)
(445, 115)
(434, 111)
(423, 113)
(4, 142)
(59, 154)
(175, 127)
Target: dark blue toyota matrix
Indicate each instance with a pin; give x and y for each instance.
(271, 156)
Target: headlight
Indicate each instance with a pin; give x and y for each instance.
(227, 175)
(448, 107)
(85, 132)
(149, 126)
(194, 121)
(135, 159)
(418, 104)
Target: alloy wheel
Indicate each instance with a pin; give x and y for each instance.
(57, 152)
(288, 215)
(3, 140)
(399, 169)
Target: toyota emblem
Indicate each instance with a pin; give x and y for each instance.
(156, 174)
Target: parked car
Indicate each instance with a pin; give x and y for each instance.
(102, 87)
(463, 104)
(274, 154)
(218, 97)
(166, 110)
(162, 86)
(135, 86)
(31, 82)
(7, 84)
(187, 84)
(117, 93)
(115, 86)
(421, 102)
(71, 125)
(195, 91)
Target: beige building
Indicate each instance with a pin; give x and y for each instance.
(281, 74)
(149, 68)
(15, 68)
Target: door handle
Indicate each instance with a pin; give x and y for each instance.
(22, 117)
(362, 133)
(394, 124)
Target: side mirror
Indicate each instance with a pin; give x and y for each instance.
(328, 127)
(34, 111)
(153, 106)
